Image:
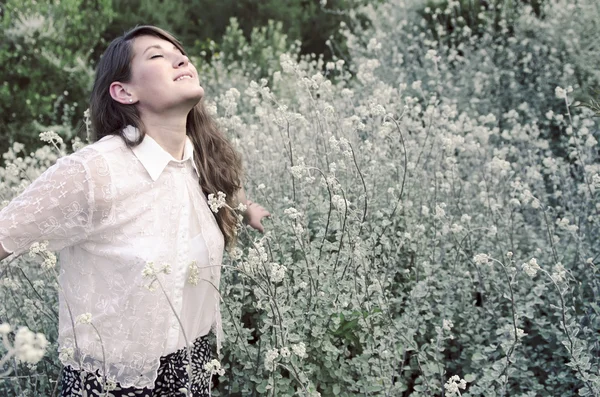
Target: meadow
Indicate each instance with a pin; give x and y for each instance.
(435, 207)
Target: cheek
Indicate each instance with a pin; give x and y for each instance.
(146, 76)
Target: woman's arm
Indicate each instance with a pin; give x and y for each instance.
(56, 207)
(254, 212)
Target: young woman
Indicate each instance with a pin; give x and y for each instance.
(140, 250)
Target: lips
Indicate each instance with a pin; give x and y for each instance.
(183, 76)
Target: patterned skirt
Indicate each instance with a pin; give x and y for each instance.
(172, 377)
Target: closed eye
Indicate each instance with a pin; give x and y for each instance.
(156, 56)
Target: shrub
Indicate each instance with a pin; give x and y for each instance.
(430, 235)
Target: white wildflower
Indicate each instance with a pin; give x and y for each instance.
(373, 45)
(481, 259)
(456, 228)
(49, 261)
(285, 352)
(339, 203)
(214, 367)
(347, 93)
(432, 55)
(241, 207)
(12, 169)
(216, 203)
(85, 318)
(298, 171)
(560, 93)
(236, 253)
(277, 272)
(38, 249)
(29, 346)
(447, 325)
(591, 142)
(559, 274)
(5, 328)
(520, 333)
(270, 357)
(454, 384)
(51, 137)
(439, 211)
(531, 267)
(149, 270)
(66, 354)
(193, 273)
(292, 213)
(299, 349)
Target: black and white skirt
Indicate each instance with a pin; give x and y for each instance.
(172, 377)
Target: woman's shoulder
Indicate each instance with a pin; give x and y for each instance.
(108, 149)
(94, 159)
(105, 146)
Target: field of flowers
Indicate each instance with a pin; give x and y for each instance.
(436, 214)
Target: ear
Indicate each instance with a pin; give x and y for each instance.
(120, 93)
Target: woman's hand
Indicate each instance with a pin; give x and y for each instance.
(254, 215)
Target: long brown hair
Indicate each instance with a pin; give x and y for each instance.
(219, 164)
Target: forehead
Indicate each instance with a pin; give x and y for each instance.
(141, 43)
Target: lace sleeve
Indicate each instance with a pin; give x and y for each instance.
(57, 207)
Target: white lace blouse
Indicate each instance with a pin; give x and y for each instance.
(111, 211)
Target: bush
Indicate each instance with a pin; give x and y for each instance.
(431, 233)
(46, 74)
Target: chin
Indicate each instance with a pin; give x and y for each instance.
(197, 95)
(193, 98)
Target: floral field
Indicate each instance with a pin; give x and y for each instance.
(435, 207)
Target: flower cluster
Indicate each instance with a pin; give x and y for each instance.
(41, 249)
(28, 347)
(152, 272)
(531, 267)
(214, 367)
(454, 384)
(218, 202)
(193, 273)
(51, 137)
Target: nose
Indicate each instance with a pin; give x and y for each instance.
(181, 60)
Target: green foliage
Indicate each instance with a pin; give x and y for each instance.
(49, 49)
(388, 180)
(45, 50)
(258, 57)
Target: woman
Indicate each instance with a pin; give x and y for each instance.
(140, 249)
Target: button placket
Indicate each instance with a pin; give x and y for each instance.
(180, 265)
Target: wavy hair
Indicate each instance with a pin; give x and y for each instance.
(219, 164)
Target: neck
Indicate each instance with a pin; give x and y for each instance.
(168, 132)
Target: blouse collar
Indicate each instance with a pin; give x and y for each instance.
(153, 157)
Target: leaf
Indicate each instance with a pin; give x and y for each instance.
(262, 387)
(470, 377)
(336, 390)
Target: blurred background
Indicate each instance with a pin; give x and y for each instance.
(49, 49)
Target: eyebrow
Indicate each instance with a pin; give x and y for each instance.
(159, 47)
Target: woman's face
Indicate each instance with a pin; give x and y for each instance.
(162, 78)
